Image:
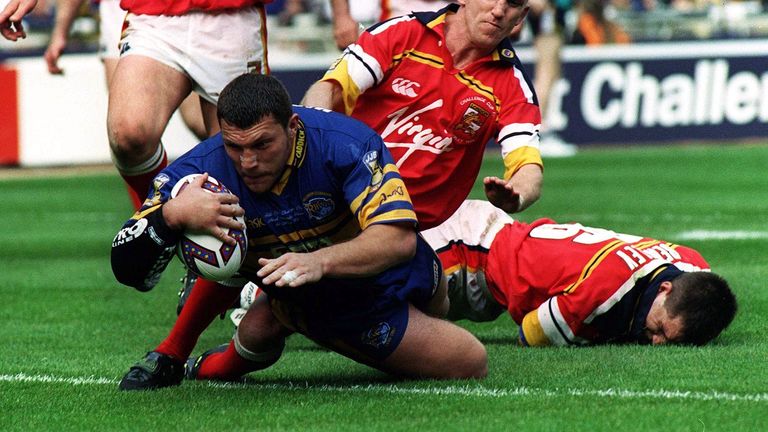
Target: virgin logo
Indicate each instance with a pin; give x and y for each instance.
(405, 87)
(407, 131)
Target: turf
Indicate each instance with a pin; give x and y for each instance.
(68, 331)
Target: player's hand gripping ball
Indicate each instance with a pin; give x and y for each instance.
(204, 254)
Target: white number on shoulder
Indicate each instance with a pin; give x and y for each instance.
(580, 234)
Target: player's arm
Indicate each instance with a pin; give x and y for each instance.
(145, 245)
(345, 28)
(517, 193)
(376, 249)
(10, 18)
(66, 11)
(325, 94)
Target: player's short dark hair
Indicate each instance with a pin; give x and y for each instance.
(251, 97)
(705, 302)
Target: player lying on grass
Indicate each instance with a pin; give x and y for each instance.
(566, 284)
(332, 236)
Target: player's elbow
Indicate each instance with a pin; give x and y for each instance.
(126, 274)
(406, 246)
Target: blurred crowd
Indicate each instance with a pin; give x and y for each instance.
(590, 22)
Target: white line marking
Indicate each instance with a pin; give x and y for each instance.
(472, 391)
(721, 235)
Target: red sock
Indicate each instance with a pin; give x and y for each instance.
(207, 300)
(226, 366)
(139, 183)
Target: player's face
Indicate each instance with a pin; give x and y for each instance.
(490, 21)
(259, 152)
(661, 327)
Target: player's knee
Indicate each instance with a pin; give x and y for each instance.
(474, 363)
(130, 143)
(259, 331)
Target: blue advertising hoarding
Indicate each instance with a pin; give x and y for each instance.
(638, 93)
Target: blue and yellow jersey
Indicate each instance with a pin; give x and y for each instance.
(339, 179)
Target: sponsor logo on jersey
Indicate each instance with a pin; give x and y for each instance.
(318, 205)
(435, 276)
(396, 192)
(124, 47)
(371, 160)
(471, 122)
(255, 223)
(406, 130)
(380, 335)
(130, 233)
(300, 146)
(405, 87)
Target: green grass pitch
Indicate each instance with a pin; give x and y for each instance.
(68, 331)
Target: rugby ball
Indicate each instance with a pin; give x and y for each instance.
(204, 254)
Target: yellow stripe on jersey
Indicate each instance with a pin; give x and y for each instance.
(594, 262)
(521, 156)
(420, 57)
(296, 236)
(533, 331)
(436, 21)
(452, 269)
(358, 201)
(475, 84)
(392, 191)
(646, 244)
(350, 91)
(393, 216)
(139, 215)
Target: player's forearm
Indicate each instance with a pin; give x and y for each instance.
(66, 12)
(324, 94)
(340, 8)
(142, 250)
(376, 249)
(527, 182)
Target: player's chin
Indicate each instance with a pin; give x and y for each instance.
(259, 184)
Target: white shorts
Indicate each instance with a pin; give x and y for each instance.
(110, 25)
(210, 48)
(404, 7)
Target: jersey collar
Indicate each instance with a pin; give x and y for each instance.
(664, 273)
(295, 160)
(503, 53)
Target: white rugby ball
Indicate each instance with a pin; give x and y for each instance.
(204, 254)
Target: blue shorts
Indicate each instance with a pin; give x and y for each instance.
(364, 319)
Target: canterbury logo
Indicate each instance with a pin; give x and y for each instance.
(405, 87)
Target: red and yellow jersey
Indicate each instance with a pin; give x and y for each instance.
(569, 284)
(562, 283)
(436, 119)
(180, 7)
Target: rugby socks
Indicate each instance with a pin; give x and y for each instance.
(237, 361)
(139, 178)
(207, 300)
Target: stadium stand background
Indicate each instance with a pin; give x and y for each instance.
(693, 72)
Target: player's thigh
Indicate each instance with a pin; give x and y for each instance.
(435, 348)
(192, 115)
(143, 95)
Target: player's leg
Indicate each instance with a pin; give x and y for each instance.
(437, 349)
(139, 110)
(164, 366)
(257, 344)
(192, 116)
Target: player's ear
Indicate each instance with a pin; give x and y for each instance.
(665, 287)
